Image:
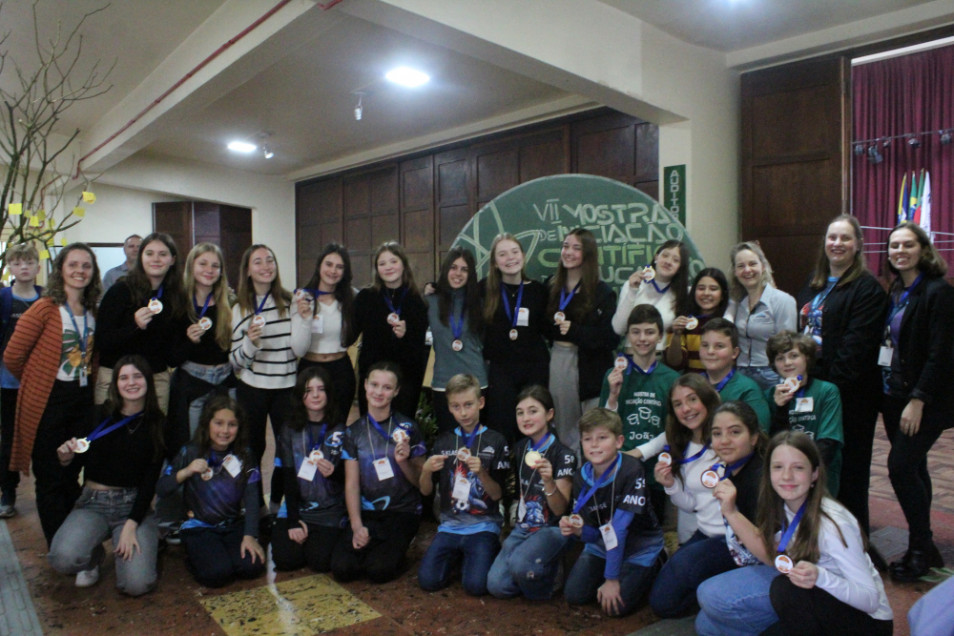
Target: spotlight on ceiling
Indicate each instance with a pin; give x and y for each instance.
(407, 76)
(873, 155)
(267, 152)
(359, 109)
(243, 147)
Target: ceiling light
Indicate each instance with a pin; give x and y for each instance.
(267, 152)
(358, 110)
(242, 146)
(406, 76)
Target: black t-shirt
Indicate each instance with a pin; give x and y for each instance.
(536, 512)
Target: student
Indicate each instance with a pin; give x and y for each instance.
(454, 317)
(51, 351)
(736, 440)
(638, 390)
(24, 264)
(332, 322)
(392, 318)
(219, 477)
(529, 560)
(664, 284)
(719, 348)
(708, 299)
(383, 453)
(581, 307)
(612, 515)
(311, 519)
(470, 463)
(829, 585)
(121, 456)
(804, 403)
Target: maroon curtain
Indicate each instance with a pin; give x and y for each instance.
(909, 94)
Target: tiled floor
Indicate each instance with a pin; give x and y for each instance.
(303, 603)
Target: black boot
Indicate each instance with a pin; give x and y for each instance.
(916, 563)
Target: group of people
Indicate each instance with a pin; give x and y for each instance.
(546, 422)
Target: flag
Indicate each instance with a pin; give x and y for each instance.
(913, 201)
(903, 200)
(925, 217)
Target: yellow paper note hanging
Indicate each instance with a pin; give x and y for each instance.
(44, 254)
(15, 209)
(79, 212)
(41, 214)
(89, 197)
(34, 221)
(62, 241)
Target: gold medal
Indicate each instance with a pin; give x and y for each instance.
(664, 458)
(463, 455)
(692, 323)
(531, 458)
(710, 479)
(400, 435)
(82, 445)
(205, 323)
(648, 273)
(155, 306)
(576, 521)
(559, 316)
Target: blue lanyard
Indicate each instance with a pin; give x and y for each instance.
(790, 529)
(205, 307)
(467, 440)
(102, 430)
(818, 302)
(688, 460)
(632, 365)
(903, 301)
(512, 315)
(312, 445)
(723, 381)
(82, 337)
(731, 467)
(378, 428)
(565, 298)
(390, 303)
(543, 442)
(582, 499)
(158, 295)
(656, 287)
(457, 322)
(316, 292)
(261, 305)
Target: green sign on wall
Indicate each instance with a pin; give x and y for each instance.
(674, 191)
(628, 224)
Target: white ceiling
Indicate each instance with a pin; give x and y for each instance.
(305, 96)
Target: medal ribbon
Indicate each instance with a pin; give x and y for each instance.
(467, 440)
(312, 445)
(85, 334)
(632, 365)
(512, 315)
(790, 529)
(390, 303)
(377, 427)
(205, 307)
(543, 442)
(899, 305)
(102, 430)
(689, 460)
(721, 384)
(660, 291)
(158, 295)
(581, 501)
(457, 323)
(730, 467)
(261, 305)
(565, 298)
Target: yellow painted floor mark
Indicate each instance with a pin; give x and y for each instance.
(299, 607)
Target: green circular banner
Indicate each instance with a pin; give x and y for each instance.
(628, 225)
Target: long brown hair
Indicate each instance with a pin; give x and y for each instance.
(471, 294)
(680, 281)
(140, 288)
(298, 417)
(678, 435)
(57, 293)
(931, 262)
(857, 267)
(407, 276)
(152, 415)
(240, 446)
(771, 516)
(494, 279)
(589, 279)
(220, 293)
(344, 293)
(246, 290)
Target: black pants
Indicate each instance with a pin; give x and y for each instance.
(860, 415)
(9, 479)
(815, 611)
(908, 469)
(214, 555)
(57, 487)
(315, 552)
(506, 382)
(343, 383)
(382, 559)
(260, 405)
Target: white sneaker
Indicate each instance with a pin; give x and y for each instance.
(87, 578)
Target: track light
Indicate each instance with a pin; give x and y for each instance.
(874, 156)
(267, 152)
(946, 136)
(359, 109)
(914, 142)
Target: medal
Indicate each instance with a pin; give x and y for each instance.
(457, 345)
(710, 479)
(315, 455)
(783, 563)
(155, 306)
(576, 521)
(513, 334)
(205, 323)
(258, 320)
(531, 458)
(621, 363)
(393, 318)
(664, 458)
(559, 316)
(208, 474)
(648, 273)
(400, 435)
(792, 383)
(82, 445)
(692, 323)
(463, 454)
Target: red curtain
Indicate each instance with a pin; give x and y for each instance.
(892, 98)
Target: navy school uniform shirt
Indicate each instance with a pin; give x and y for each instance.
(364, 444)
(216, 502)
(534, 513)
(480, 512)
(623, 497)
(320, 500)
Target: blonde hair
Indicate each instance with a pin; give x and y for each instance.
(220, 293)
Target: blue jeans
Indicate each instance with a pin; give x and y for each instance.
(78, 544)
(765, 377)
(477, 551)
(702, 557)
(527, 564)
(587, 576)
(737, 603)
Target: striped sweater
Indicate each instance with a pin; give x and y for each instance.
(273, 364)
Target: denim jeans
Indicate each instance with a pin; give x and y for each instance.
(476, 551)
(213, 374)
(765, 377)
(702, 557)
(78, 544)
(736, 603)
(587, 576)
(527, 564)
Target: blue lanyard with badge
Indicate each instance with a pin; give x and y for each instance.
(607, 530)
(886, 353)
(81, 337)
(783, 562)
(317, 320)
(518, 316)
(309, 465)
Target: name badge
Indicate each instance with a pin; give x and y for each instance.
(523, 317)
(232, 464)
(83, 378)
(461, 488)
(383, 468)
(804, 405)
(307, 470)
(885, 354)
(318, 324)
(428, 338)
(609, 536)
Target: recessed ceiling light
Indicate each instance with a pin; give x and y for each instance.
(406, 76)
(242, 146)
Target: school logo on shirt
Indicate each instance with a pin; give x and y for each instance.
(335, 439)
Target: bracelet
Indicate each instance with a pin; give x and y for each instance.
(549, 494)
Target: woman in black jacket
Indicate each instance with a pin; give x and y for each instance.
(843, 309)
(581, 307)
(917, 364)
